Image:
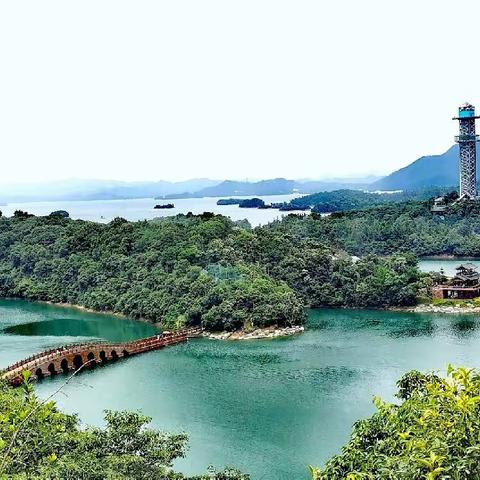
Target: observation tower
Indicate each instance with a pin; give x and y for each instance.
(467, 140)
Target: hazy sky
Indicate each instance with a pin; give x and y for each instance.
(135, 90)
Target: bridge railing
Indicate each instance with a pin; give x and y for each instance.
(75, 347)
(46, 353)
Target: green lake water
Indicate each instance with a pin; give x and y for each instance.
(269, 407)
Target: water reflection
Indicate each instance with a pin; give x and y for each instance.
(395, 324)
(416, 326)
(324, 378)
(116, 330)
(464, 326)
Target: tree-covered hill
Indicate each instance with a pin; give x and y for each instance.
(191, 270)
(408, 227)
(347, 200)
(430, 170)
(160, 271)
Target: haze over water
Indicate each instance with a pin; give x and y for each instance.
(268, 407)
(142, 208)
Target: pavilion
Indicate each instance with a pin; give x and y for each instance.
(464, 285)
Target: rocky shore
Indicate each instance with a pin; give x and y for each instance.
(258, 333)
(430, 308)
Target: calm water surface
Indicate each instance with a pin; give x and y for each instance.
(447, 264)
(268, 407)
(142, 208)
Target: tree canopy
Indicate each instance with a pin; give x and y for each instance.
(408, 227)
(432, 434)
(346, 199)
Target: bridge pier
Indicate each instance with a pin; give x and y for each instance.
(70, 362)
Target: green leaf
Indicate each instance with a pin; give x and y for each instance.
(52, 458)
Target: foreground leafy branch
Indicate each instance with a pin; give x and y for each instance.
(433, 434)
(37, 441)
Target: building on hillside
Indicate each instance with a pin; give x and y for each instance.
(467, 140)
(463, 286)
(439, 205)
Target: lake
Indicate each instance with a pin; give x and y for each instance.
(447, 264)
(142, 208)
(270, 407)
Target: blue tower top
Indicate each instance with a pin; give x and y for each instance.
(466, 111)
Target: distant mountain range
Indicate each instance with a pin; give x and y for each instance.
(425, 172)
(430, 171)
(195, 188)
(97, 189)
(276, 186)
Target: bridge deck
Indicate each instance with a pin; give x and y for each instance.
(72, 357)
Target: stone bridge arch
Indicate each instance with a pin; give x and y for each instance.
(64, 365)
(75, 357)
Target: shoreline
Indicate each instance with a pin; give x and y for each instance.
(83, 309)
(443, 309)
(267, 332)
(256, 334)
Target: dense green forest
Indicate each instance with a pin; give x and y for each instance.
(37, 441)
(432, 434)
(190, 270)
(408, 227)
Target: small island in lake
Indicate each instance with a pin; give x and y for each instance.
(290, 207)
(243, 203)
(252, 203)
(166, 205)
(260, 204)
(229, 201)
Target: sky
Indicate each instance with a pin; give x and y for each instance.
(150, 90)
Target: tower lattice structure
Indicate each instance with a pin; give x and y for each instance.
(467, 140)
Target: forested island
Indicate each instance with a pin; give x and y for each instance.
(259, 203)
(244, 202)
(164, 206)
(252, 203)
(341, 200)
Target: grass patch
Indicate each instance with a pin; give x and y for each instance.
(453, 302)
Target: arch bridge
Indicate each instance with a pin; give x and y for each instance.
(75, 356)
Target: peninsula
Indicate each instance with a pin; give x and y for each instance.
(192, 270)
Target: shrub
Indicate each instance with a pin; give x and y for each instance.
(432, 434)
